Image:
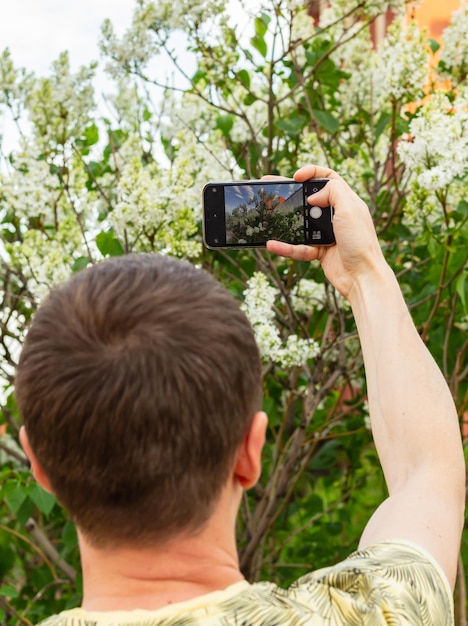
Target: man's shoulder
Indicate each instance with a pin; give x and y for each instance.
(397, 575)
(391, 580)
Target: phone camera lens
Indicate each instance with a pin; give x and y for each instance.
(216, 240)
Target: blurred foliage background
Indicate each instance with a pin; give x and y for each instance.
(292, 85)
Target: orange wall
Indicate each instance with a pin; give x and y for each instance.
(435, 14)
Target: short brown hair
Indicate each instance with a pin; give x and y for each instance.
(137, 382)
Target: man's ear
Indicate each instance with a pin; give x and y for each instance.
(36, 467)
(248, 466)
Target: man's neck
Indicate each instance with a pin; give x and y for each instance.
(126, 578)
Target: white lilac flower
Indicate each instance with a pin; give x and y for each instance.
(454, 52)
(268, 340)
(259, 302)
(436, 157)
(297, 352)
(404, 61)
(308, 296)
(60, 106)
(259, 299)
(46, 262)
(152, 23)
(30, 190)
(437, 147)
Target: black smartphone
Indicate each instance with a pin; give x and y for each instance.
(246, 214)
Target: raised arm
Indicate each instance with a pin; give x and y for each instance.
(414, 421)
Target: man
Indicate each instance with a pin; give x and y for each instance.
(139, 386)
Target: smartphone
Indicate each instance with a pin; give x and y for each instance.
(246, 214)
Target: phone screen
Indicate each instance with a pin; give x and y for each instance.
(248, 214)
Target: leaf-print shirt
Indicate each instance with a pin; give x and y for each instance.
(393, 583)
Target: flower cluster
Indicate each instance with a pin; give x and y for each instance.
(436, 154)
(148, 216)
(30, 190)
(184, 13)
(308, 296)
(46, 261)
(398, 70)
(53, 222)
(159, 206)
(151, 27)
(259, 303)
(60, 107)
(454, 53)
(404, 62)
(136, 47)
(437, 147)
(15, 84)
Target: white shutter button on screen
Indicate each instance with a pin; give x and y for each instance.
(315, 212)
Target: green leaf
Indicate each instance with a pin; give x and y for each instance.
(69, 536)
(108, 244)
(260, 45)
(14, 494)
(7, 554)
(433, 45)
(25, 511)
(461, 288)
(80, 263)
(225, 124)
(147, 115)
(116, 138)
(312, 56)
(249, 99)
(433, 248)
(7, 591)
(462, 207)
(382, 124)
(44, 500)
(317, 51)
(91, 135)
(198, 76)
(401, 125)
(244, 78)
(261, 24)
(326, 120)
(292, 127)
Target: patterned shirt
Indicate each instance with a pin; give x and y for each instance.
(392, 583)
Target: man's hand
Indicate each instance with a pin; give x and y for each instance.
(357, 251)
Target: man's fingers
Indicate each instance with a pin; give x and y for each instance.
(314, 171)
(295, 252)
(274, 177)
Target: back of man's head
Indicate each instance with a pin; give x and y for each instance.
(137, 383)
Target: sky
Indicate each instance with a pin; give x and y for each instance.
(36, 31)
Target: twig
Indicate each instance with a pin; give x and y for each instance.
(11, 609)
(49, 549)
(14, 453)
